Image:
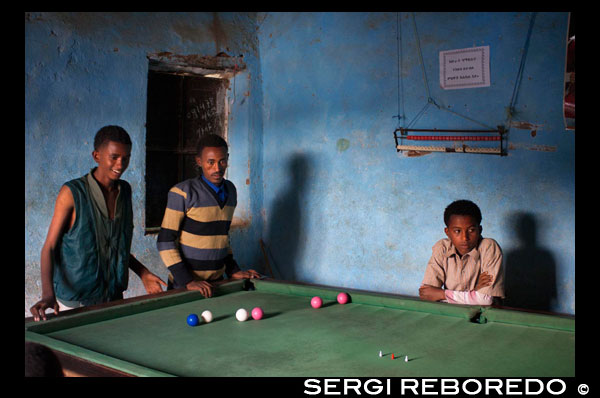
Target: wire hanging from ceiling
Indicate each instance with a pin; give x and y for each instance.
(430, 99)
(513, 99)
(400, 116)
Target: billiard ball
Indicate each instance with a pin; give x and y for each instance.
(316, 302)
(342, 298)
(257, 313)
(207, 316)
(193, 320)
(241, 315)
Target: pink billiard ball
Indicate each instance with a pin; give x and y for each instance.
(257, 313)
(316, 302)
(342, 298)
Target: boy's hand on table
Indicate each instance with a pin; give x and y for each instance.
(250, 274)
(152, 283)
(205, 288)
(431, 293)
(38, 310)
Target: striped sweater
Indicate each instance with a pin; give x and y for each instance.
(193, 242)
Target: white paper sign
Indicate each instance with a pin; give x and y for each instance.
(465, 68)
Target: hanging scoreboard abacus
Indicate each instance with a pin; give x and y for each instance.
(458, 140)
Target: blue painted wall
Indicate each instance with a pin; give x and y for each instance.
(311, 135)
(344, 208)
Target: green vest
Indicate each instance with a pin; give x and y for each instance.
(92, 265)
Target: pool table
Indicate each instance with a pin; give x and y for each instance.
(149, 336)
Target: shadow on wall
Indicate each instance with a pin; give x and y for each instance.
(286, 235)
(530, 270)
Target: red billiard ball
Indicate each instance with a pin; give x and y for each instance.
(316, 302)
(257, 313)
(342, 298)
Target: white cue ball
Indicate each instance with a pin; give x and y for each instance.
(241, 315)
(207, 316)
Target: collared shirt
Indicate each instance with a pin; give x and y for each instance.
(446, 268)
(221, 191)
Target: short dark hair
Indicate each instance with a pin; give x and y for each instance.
(210, 140)
(111, 133)
(462, 208)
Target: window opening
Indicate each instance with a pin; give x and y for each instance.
(183, 104)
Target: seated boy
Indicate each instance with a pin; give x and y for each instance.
(193, 242)
(465, 268)
(86, 257)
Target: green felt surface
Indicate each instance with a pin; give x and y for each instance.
(293, 339)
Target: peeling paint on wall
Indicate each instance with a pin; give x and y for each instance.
(541, 148)
(240, 222)
(412, 154)
(525, 125)
(342, 144)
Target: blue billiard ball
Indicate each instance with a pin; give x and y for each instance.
(193, 320)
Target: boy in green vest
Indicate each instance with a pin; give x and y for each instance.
(86, 257)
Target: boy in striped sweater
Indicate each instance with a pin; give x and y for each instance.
(193, 242)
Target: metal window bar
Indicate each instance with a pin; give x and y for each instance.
(500, 131)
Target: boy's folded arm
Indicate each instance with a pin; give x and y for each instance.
(472, 297)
